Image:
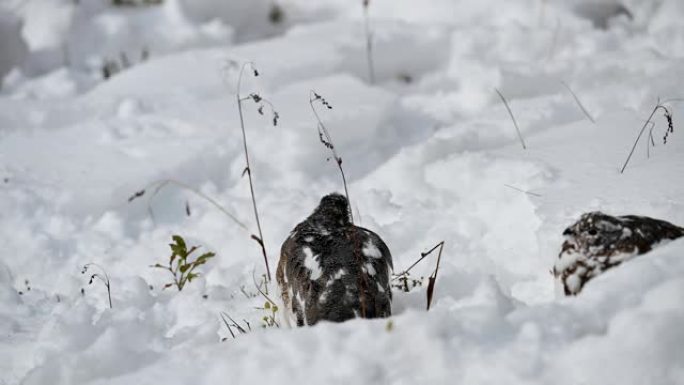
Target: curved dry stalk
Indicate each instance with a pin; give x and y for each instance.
(328, 142)
(432, 279)
(104, 278)
(515, 123)
(157, 186)
(668, 116)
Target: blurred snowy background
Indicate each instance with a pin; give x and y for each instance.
(101, 98)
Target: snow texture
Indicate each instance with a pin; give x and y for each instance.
(430, 154)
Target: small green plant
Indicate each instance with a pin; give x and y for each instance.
(180, 268)
(389, 326)
(269, 320)
(270, 307)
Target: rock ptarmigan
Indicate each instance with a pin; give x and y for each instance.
(332, 270)
(598, 242)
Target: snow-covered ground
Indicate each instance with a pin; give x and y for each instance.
(431, 154)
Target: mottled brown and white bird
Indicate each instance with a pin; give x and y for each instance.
(598, 242)
(332, 270)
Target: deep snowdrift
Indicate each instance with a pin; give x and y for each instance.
(431, 154)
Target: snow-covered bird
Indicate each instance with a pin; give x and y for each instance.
(332, 270)
(598, 242)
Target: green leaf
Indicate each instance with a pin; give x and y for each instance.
(177, 250)
(275, 309)
(204, 257)
(180, 242)
(184, 268)
(267, 305)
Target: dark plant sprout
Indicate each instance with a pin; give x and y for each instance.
(101, 276)
(227, 325)
(276, 15)
(239, 328)
(432, 279)
(369, 42)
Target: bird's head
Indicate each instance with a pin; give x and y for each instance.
(333, 211)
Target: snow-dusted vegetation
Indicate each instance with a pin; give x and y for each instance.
(119, 128)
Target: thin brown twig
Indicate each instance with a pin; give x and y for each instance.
(237, 326)
(432, 280)
(248, 168)
(227, 325)
(328, 142)
(579, 103)
(522, 191)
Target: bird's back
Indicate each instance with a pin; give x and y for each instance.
(335, 274)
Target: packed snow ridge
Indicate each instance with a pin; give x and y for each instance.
(100, 101)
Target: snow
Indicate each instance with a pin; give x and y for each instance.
(429, 152)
